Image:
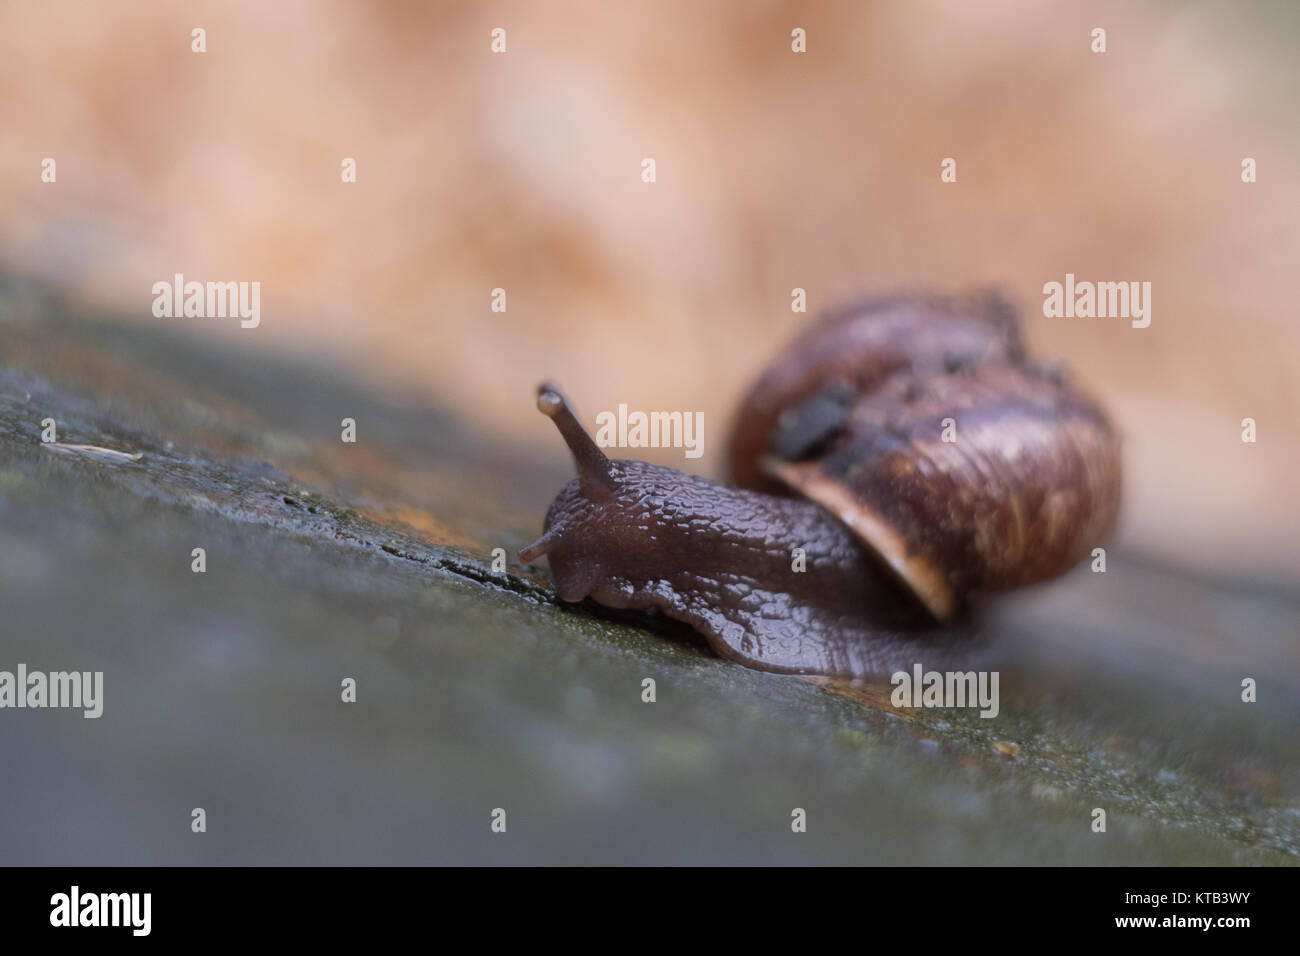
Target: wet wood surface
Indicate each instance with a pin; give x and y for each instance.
(476, 690)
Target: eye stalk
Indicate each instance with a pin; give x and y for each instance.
(593, 467)
(594, 477)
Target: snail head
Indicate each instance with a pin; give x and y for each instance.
(599, 530)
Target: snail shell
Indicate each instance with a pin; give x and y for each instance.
(1028, 485)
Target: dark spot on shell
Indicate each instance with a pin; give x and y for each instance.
(804, 430)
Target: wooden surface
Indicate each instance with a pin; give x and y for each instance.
(478, 691)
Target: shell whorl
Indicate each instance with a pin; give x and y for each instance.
(1028, 485)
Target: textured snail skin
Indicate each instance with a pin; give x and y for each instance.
(719, 559)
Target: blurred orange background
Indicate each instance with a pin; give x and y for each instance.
(775, 170)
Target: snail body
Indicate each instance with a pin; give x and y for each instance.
(907, 446)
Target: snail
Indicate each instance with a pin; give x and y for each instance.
(907, 445)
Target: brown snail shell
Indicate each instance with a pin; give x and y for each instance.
(858, 348)
(1029, 486)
